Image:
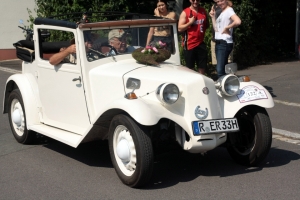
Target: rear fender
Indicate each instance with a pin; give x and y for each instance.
(231, 105)
(28, 91)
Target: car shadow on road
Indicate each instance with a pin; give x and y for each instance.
(173, 165)
(270, 89)
(94, 154)
(182, 166)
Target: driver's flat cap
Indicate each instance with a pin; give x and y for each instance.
(115, 33)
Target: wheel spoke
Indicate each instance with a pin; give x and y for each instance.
(131, 166)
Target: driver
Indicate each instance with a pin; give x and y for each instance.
(65, 54)
(117, 39)
(68, 54)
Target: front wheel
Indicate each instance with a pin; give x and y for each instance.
(131, 151)
(252, 143)
(17, 118)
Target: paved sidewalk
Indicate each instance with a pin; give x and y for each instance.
(15, 64)
(268, 75)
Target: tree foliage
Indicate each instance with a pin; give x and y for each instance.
(267, 32)
(46, 8)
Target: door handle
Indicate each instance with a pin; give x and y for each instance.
(77, 79)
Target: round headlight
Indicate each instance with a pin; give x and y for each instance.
(168, 93)
(230, 85)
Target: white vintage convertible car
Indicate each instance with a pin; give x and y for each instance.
(106, 94)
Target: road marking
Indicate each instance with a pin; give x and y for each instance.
(286, 136)
(10, 70)
(287, 103)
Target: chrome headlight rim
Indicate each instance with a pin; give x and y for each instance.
(163, 93)
(228, 84)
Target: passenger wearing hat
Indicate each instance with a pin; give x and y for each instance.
(117, 39)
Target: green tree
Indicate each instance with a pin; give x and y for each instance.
(267, 32)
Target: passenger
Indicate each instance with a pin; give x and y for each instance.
(117, 39)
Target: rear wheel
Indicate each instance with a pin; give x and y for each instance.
(17, 118)
(252, 143)
(131, 151)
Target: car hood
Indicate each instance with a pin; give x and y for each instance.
(153, 76)
(116, 68)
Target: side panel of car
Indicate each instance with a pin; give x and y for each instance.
(61, 88)
(251, 93)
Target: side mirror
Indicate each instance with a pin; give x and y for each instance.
(231, 68)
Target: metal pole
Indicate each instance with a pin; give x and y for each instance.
(178, 7)
(297, 36)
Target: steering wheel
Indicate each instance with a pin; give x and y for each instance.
(105, 50)
(111, 52)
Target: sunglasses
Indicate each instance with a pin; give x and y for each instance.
(195, 0)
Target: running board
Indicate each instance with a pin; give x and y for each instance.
(66, 137)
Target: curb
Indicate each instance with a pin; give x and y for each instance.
(5, 69)
(295, 136)
(9, 60)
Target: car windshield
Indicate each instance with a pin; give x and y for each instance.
(113, 42)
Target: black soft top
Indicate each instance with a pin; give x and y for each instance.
(55, 22)
(47, 47)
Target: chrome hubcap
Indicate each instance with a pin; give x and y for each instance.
(124, 150)
(17, 117)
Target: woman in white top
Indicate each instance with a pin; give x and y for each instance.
(223, 27)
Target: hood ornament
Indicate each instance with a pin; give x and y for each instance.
(201, 114)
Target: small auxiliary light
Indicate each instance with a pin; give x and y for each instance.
(132, 83)
(131, 95)
(244, 79)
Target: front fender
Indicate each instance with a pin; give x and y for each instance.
(22, 82)
(144, 112)
(231, 105)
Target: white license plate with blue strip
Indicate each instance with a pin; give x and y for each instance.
(215, 126)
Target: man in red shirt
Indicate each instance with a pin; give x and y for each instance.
(193, 21)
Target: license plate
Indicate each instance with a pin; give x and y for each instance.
(215, 126)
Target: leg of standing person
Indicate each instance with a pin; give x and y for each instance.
(201, 58)
(223, 50)
(221, 58)
(189, 58)
(229, 50)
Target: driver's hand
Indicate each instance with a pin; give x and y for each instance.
(71, 49)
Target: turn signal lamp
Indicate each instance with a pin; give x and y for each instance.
(132, 83)
(131, 95)
(244, 79)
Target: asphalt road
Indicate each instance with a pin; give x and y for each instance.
(282, 81)
(52, 170)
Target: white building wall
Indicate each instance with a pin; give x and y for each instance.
(11, 11)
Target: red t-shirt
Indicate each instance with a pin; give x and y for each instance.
(194, 35)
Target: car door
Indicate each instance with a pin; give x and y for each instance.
(62, 96)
